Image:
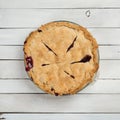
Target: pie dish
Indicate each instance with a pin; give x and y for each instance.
(61, 57)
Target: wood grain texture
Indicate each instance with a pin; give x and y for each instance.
(105, 36)
(48, 103)
(10, 18)
(16, 52)
(15, 69)
(27, 86)
(58, 3)
(61, 116)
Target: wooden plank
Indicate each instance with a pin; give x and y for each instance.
(18, 36)
(48, 103)
(14, 36)
(12, 69)
(15, 69)
(27, 86)
(58, 3)
(12, 18)
(109, 69)
(11, 52)
(20, 86)
(109, 52)
(62, 117)
(16, 52)
(106, 35)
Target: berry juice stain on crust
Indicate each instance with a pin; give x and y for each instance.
(29, 63)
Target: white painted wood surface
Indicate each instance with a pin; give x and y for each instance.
(15, 69)
(16, 52)
(104, 36)
(59, 3)
(26, 86)
(71, 103)
(21, 99)
(61, 116)
(27, 18)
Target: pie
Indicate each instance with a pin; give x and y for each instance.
(61, 57)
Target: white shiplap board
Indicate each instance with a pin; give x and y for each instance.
(26, 18)
(49, 103)
(15, 69)
(59, 3)
(16, 52)
(104, 36)
(27, 86)
(61, 116)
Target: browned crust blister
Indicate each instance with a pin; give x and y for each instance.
(44, 86)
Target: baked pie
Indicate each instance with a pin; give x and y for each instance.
(61, 57)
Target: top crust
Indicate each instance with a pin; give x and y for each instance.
(52, 70)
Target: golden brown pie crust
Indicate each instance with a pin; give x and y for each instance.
(52, 57)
